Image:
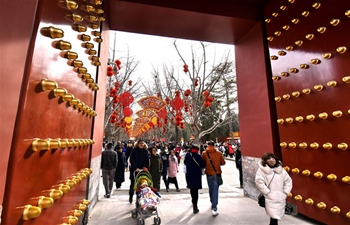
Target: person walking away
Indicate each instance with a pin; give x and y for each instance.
(275, 184)
(109, 163)
(119, 177)
(213, 159)
(128, 150)
(165, 162)
(173, 169)
(138, 161)
(155, 168)
(194, 165)
(238, 161)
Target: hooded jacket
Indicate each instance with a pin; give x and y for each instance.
(217, 159)
(276, 193)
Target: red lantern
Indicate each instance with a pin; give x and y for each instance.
(206, 94)
(187, 92)
(109, 68)
(185, 68)
(110, 73)
(114, 116)
(126, 99)
(130, 82)
(116, 84)
(127, 111)
(113, 120)
(207, 104)
(196, 83)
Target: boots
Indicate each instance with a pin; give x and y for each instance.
(195, 210)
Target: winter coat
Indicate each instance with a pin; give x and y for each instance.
(138, 160)
(155, 169)
(109, 159)
(119, 176)
(276, 194)
(165, 162)
(216, 158)
(238, 159)
(173, 166)
(194, 171)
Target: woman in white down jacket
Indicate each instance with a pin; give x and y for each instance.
(271, 170)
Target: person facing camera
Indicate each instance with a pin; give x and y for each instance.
(139, 160)
(275, 184)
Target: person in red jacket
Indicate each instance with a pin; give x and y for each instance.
(213, 161)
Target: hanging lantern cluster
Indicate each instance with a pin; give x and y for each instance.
(207, 99)
(185, 68)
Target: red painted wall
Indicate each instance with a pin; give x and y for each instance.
(14, 43)
(254, 97)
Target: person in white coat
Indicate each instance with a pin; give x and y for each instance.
(275, 184)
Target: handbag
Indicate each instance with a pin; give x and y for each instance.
(203, 170)
(261, 198)
(218, 176)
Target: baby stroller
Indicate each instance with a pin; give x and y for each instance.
(144, 207)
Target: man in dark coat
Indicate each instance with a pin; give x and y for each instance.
(139, 160)
(109, 163)
(194, 165)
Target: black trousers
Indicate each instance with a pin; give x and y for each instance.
(273, 221)
(240, 176)
(165, 179)
(194, 196)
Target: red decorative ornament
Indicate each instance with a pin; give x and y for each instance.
(127, 111)
(196, 83)
(185, 68)
(177, 103)
(117, 84)
(113, 120)
(162, 113)
(206, 94)
(109, 68)
(207, 104)
(110, 73)
(167, 100)
(130, 82)
(118, 63)
(187, 92)
(126, 99)
(116, 99)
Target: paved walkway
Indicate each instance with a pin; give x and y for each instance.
(176, 207)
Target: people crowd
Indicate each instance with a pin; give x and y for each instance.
(163, 160)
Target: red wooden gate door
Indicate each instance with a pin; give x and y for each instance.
(50, 154)
(309, 44)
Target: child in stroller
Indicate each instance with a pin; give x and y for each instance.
(148, 197)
